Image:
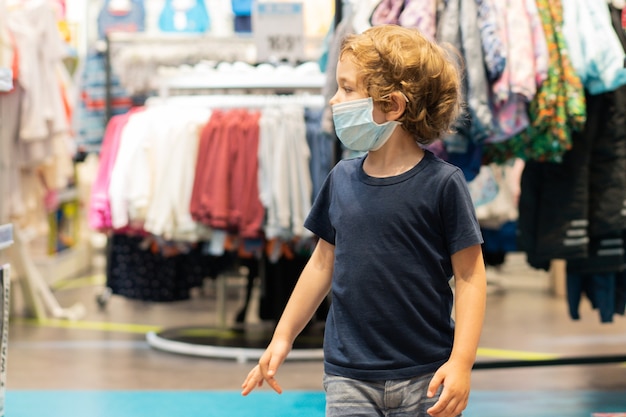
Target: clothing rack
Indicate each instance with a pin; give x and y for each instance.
(554, 361)
(203, 48)
(221, 341)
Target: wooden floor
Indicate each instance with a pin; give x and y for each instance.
(107, 351)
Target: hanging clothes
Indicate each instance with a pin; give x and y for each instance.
(321, 146)
(558, 108)
(225, 192)
(136, 272)
(90, 117)
(285, 180)
(99, 210)
(41, 52)
(525, 70)
(10, 187)
(600, 275)
(184, 16)
(459, 26)
(494, 52)
(121, 16)
(36, 142)
(573, 210)
(593, 45)
(153, 163)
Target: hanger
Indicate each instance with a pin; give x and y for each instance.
(120, 6)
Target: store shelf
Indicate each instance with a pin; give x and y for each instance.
(6, 236)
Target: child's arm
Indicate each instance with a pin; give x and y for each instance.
(470, 299)
(313, 285)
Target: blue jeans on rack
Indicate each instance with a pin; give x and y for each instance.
(599, 289)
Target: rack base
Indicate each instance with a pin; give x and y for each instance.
(242, 345)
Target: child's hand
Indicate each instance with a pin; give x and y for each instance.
(269, 363)
(255, 379)
(455, 394)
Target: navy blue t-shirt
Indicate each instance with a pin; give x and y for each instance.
(390, 315)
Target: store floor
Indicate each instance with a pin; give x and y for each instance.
(103, 365)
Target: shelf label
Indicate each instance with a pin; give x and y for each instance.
(278, 29)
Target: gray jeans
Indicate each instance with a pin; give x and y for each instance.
(395, 398)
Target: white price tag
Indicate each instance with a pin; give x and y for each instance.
(278, 29)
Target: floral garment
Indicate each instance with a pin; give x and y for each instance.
(557, 109)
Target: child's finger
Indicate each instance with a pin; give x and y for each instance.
(275, 386)
(253, 380)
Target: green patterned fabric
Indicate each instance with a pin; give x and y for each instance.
(558, 107)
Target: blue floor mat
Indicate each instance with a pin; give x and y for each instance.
(289, 404)
(544, 403)
(162, 404)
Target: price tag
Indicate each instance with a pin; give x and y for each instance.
(278, 29)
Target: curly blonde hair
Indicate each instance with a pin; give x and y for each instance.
(393, 58)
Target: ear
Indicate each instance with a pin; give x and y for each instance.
(398, 106)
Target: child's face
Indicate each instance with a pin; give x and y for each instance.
(350, 87)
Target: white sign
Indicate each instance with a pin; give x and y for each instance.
(278, 29)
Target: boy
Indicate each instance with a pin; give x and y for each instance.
(394, 226)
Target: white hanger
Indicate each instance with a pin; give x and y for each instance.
(124, 6)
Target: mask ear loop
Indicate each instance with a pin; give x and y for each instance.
(403, 96)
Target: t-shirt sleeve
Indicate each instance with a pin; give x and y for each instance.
(318, 221)
(460, 224)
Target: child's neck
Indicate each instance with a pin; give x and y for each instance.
(397, 156)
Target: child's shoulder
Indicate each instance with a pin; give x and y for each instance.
(440, 164)
(350, 163)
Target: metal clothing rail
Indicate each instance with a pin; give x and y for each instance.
(288, 83)
(315, 101)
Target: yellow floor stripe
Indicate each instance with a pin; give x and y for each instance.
(515, 354)
(143, 329)
(73, 283)
(90, 325)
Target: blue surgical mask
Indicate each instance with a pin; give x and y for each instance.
(356, 128)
